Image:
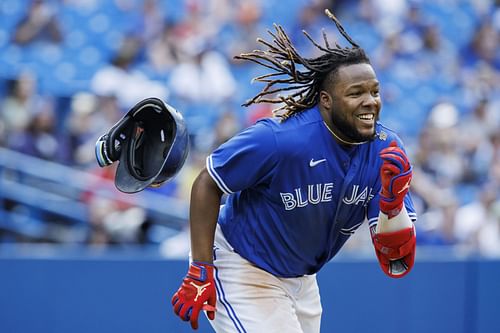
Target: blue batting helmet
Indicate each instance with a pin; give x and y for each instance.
(151, 143)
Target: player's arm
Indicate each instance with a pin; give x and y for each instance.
(197, 290)
(203, 213)
(394, 236)
(241, 162)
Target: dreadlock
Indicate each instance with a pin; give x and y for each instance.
(283, 59)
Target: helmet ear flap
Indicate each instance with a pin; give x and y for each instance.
(108, 146)
(101, 151)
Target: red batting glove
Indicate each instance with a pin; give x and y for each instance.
(395, 173)
(197, 288)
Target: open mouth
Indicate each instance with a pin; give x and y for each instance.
(366, 117)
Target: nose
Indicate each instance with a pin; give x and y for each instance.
(370, 101)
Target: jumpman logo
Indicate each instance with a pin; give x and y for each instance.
(407, 185)
(200, 289)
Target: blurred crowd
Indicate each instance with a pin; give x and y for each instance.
(71, 68)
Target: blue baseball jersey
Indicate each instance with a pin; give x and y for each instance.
(295, 195)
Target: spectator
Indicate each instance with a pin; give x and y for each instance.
(113, 217)
(162, 52)
(473, 217)
(444, 161)
(89, 117)
(437, 225)
(484, 45)
(203, 76)
(120, 79)
(17, 107)
(39, 24)
(478, 129)
(494, 170)
(152, 20)
(489, 234)
(40, 139)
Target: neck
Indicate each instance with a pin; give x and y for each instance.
(339, 139)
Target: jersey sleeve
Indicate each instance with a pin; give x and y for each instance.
(245, 160)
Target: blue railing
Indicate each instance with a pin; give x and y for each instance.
(35, 193)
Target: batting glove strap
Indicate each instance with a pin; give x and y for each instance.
(198, 270)
(197, 292)
(395, 251)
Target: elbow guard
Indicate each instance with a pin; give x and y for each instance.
(395, 251)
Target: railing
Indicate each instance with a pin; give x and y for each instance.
(35, 192)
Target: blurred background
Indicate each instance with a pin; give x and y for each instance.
(69, 69)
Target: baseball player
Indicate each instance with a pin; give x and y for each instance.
(298, 186)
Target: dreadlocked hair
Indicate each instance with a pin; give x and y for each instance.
(283, 59)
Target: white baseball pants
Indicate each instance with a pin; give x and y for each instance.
(251, 300)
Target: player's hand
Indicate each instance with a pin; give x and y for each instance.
(395, 173)
(197, 292)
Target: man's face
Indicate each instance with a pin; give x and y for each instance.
(353, 102)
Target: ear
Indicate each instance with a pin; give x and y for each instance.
(325, 99)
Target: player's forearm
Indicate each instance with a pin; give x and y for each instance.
(204, 210)
(398, 222)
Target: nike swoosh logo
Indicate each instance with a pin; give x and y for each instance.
(313, 163)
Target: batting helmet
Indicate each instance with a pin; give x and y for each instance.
(151, 143)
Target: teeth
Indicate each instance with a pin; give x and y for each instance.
(366, 116)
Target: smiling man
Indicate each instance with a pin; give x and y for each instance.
(352, 90)
(298, 186)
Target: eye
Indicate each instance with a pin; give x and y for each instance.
(375, 93)
(354, 94)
